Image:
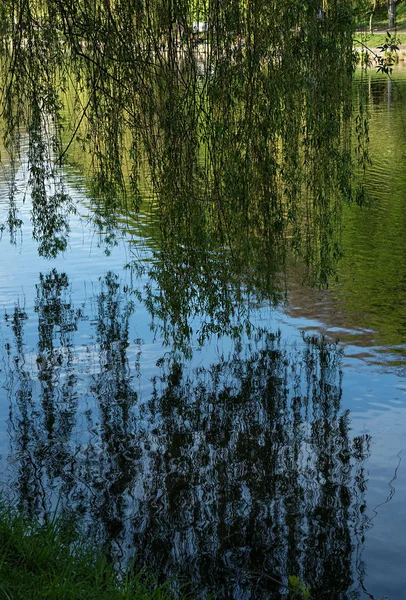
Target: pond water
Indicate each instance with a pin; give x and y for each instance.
(225, 442)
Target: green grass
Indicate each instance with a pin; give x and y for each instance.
(380, 19)
(375, 40)
(42, 562)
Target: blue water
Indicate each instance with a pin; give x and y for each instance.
(82, 365)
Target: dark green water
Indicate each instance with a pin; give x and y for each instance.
(183, 413)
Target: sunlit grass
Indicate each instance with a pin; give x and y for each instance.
(380, 19)
(375, 40)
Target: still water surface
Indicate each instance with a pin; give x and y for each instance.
(263, 451)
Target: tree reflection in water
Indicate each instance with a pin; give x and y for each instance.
(43, 396)
(245, 468)
(223, 475)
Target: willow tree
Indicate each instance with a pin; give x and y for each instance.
(245, 129)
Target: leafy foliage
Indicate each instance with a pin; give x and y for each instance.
(389, 47)
(298, 587)
(243, 130)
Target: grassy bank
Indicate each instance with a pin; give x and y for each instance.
(376, 48)
(376, 39)
(39, 562)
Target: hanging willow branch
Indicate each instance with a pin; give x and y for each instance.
(241, 111)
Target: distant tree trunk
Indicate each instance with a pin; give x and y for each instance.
(391, 13)
(371, 16)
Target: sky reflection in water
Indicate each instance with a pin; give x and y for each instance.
(261, 453)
